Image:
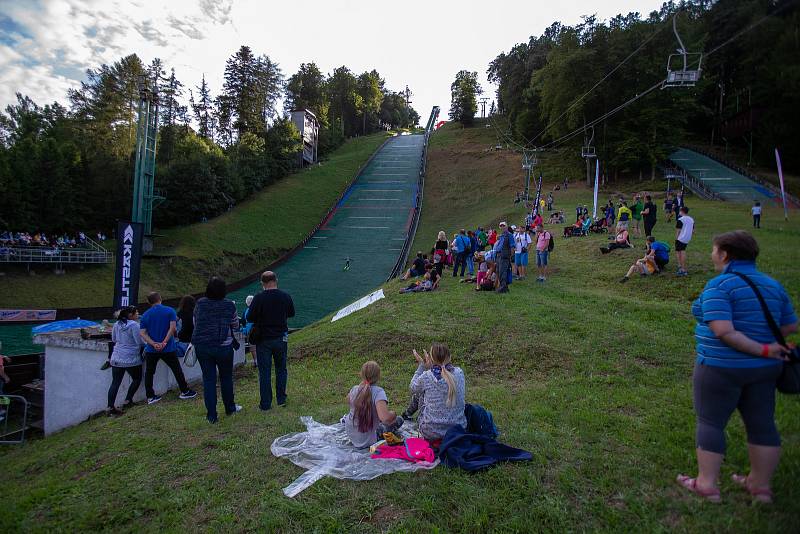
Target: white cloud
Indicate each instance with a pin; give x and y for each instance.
(419, 43)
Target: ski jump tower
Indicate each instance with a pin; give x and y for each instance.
(145, 197)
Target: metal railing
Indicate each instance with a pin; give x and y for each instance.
(744, 172)
(89, 253)
(695, 185)
(14, 421)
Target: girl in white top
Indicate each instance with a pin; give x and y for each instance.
(369, 413)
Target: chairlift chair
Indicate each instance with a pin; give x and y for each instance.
(684, 77)
(588, 151)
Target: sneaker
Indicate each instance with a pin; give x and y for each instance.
(604, 250)
(153, 400)
(188, 394)
(237, 408)
(106, 365)
(113, 412)
(623, 279)
(127, 404)
(681, 272)
(282, 404)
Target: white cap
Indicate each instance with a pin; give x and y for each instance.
(503, 223)
(248, 300)
(513, 227)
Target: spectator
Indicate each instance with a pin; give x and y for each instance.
(473, 248)
(621, 240)
(636, 213)
(549, 202)
(683, 234)
(756, 211)
(438, 391)
(185, 314)
(677, 204)
(125, 358)
(502, 249)
(215, 321)
(738, 362)
(624, 215)
(439, 252)
(492, 239)
(369, 415)
(483, 239)
(522, 242)
(542, 252)
(649, 213)
(269, 313)
(654, 260)
(461, 245)
(247, 325)
(159, 322)
(417, 267)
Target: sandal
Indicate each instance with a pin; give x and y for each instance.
(711, 495)
(762, 495)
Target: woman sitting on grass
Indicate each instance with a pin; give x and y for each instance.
(430, 281)
(440, 388)
(369, 415)
(575, 229)
(622, 240)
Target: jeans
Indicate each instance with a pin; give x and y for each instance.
(212, 359)
(151, 361)
(503, 266)
(470, 264)
(117, 374)
(648, 227)
(756, 221)
(461, 259)
(268, 350)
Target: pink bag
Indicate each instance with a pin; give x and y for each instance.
(412, 450)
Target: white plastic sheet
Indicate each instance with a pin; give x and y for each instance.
(325, 450)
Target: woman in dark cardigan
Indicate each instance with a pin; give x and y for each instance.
(215, 321)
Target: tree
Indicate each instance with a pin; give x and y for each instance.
(306, 90)
(203, 110)
(370, 91)
(463, 101)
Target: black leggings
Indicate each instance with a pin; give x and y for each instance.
(718, 391)
(117, 373)
(648, 227)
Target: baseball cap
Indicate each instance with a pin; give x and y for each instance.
(503, 223)
(513, 226)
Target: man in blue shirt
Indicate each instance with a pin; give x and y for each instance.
(158, 323)
(462, 250)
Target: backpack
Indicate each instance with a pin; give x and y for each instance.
(551, 243)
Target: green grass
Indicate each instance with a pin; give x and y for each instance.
(232, 245)
(591, 376)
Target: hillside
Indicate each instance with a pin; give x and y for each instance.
(591, 376)
(233, 245)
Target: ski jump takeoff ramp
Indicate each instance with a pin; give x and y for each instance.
(357, 247)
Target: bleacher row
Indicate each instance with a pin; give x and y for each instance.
(22, 248)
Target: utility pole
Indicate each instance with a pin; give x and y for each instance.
(484, 100)
(408, 94)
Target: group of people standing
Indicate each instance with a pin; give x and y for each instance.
(210, 325)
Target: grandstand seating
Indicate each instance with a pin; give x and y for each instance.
(88, 252)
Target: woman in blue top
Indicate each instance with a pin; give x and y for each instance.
(738, 362)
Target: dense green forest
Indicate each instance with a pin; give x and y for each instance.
(748, 95)
(71, 168)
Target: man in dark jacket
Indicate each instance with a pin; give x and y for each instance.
(503, 248)
(269, 313)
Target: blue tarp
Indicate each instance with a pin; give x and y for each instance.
(61, 325)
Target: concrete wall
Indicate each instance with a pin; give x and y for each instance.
(76, 388)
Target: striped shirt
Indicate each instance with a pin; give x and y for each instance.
(728, 298)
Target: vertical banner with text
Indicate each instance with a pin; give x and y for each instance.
(129, 259)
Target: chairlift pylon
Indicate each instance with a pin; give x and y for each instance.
(588, 150)
(684, 77)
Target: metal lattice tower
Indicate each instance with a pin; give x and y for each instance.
(145, 197)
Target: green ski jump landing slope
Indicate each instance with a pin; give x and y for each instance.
(368, 227)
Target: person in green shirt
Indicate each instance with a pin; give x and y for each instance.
(636, 213)
(482, 238)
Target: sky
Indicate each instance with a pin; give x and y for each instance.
(47, 45)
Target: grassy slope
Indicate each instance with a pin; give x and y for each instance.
(234, 245)
(591, 376)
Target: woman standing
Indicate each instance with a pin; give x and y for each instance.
(738, 363)
(185, 313)
(439, 252)
(126, 357)
(215, 320)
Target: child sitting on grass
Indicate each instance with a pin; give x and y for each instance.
(439, 388)
(369, 415)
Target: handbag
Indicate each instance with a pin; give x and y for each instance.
(789, 379)
(190, 358)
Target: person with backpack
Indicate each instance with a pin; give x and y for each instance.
(473, 248)
(544, 245)
(655, 259)
(461, 244)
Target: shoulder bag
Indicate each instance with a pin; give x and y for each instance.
(789, 380)
(190, 357)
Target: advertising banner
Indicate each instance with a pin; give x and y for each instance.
(27, 315)
(129, 260)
